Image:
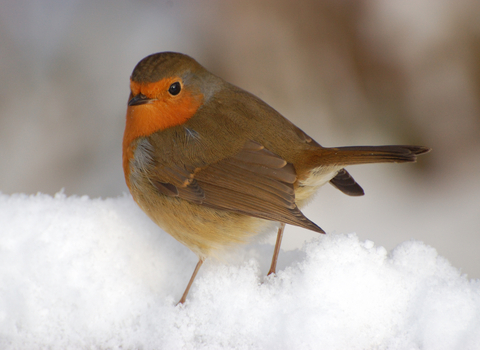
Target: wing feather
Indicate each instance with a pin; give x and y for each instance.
(254, 182)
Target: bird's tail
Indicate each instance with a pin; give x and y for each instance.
(344, 156)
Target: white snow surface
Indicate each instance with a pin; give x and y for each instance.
(81, 273)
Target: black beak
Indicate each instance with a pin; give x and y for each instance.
(140, 99)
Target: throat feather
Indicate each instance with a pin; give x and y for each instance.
(144, 120)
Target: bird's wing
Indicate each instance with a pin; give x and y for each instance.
(254, 182)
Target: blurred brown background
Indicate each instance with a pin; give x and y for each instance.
(346, 72)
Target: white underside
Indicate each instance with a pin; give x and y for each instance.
(318, 178)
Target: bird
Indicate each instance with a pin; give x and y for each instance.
(215, 166)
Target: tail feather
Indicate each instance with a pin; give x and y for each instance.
(347, 184)
(343, 156)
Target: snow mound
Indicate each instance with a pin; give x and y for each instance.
(83, 273)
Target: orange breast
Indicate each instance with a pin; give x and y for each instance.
(165, 112)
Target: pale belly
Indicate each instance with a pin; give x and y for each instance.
(308, 187)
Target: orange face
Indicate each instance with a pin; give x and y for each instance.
(162, 111)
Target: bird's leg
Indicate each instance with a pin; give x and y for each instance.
(273, 267)
(184, 296)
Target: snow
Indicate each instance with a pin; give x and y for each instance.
(82, 273)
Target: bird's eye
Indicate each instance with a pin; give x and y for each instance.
(175, 88)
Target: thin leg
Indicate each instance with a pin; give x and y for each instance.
(184, 296)
(273, 267)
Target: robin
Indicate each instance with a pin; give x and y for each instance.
(215, 166)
